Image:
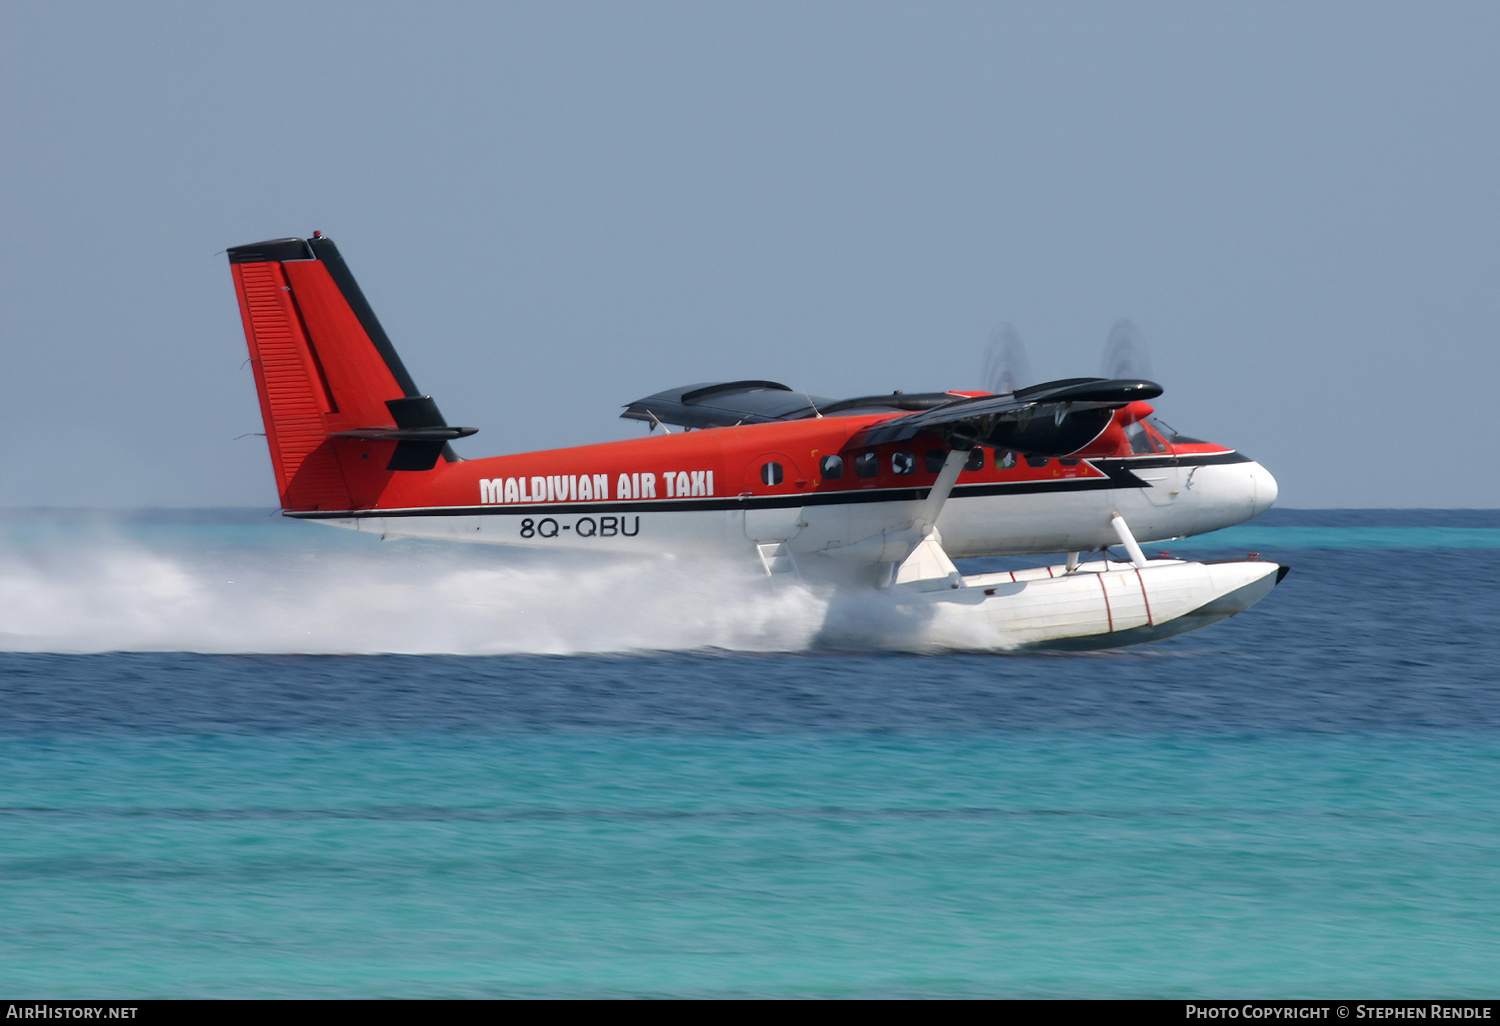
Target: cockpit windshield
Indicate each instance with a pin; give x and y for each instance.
(1170, 433)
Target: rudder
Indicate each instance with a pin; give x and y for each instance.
(333, 392)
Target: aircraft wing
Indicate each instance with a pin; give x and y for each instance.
(1050, 419)
(724, 404)
(727, 403)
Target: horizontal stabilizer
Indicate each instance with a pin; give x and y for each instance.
(420, 431)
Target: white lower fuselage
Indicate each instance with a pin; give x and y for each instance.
(1160, 498)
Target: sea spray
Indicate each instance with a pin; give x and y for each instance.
(99, 591)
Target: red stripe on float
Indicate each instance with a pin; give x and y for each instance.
(1150, 622)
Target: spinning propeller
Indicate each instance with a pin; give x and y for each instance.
(1125, 353)
(1006, 367)
(1053, 418)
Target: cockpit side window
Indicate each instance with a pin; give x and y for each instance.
(1141, 440)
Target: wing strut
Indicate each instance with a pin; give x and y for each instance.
(941, 489)
(927, 565)
(914, 552)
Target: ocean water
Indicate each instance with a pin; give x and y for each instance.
(241, 757)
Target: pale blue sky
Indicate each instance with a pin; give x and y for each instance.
(558, 208)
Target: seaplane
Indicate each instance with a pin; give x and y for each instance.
(879, 492)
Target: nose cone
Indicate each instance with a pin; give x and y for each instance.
(1230, 493)
(1263, 490)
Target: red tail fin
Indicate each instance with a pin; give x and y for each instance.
(341, 413)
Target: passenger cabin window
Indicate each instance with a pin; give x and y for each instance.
(904, 462)
(1008, 460)
(831, 467)
(1068, 463)
(770, 473)
(867, 464)
(1036, 461)
(937, 457)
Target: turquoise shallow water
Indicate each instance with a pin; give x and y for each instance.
(1251, 536)
(1303, 801)
(1043, 864)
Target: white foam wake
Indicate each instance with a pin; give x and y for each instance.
(100, 594)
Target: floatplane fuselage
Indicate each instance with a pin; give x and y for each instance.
(876, 491)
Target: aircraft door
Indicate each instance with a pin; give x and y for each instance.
(1163, 485)
(1163, 480)
(773, 486)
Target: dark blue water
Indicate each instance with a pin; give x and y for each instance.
(1301, 801)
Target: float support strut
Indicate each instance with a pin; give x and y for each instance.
(1128, 540)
